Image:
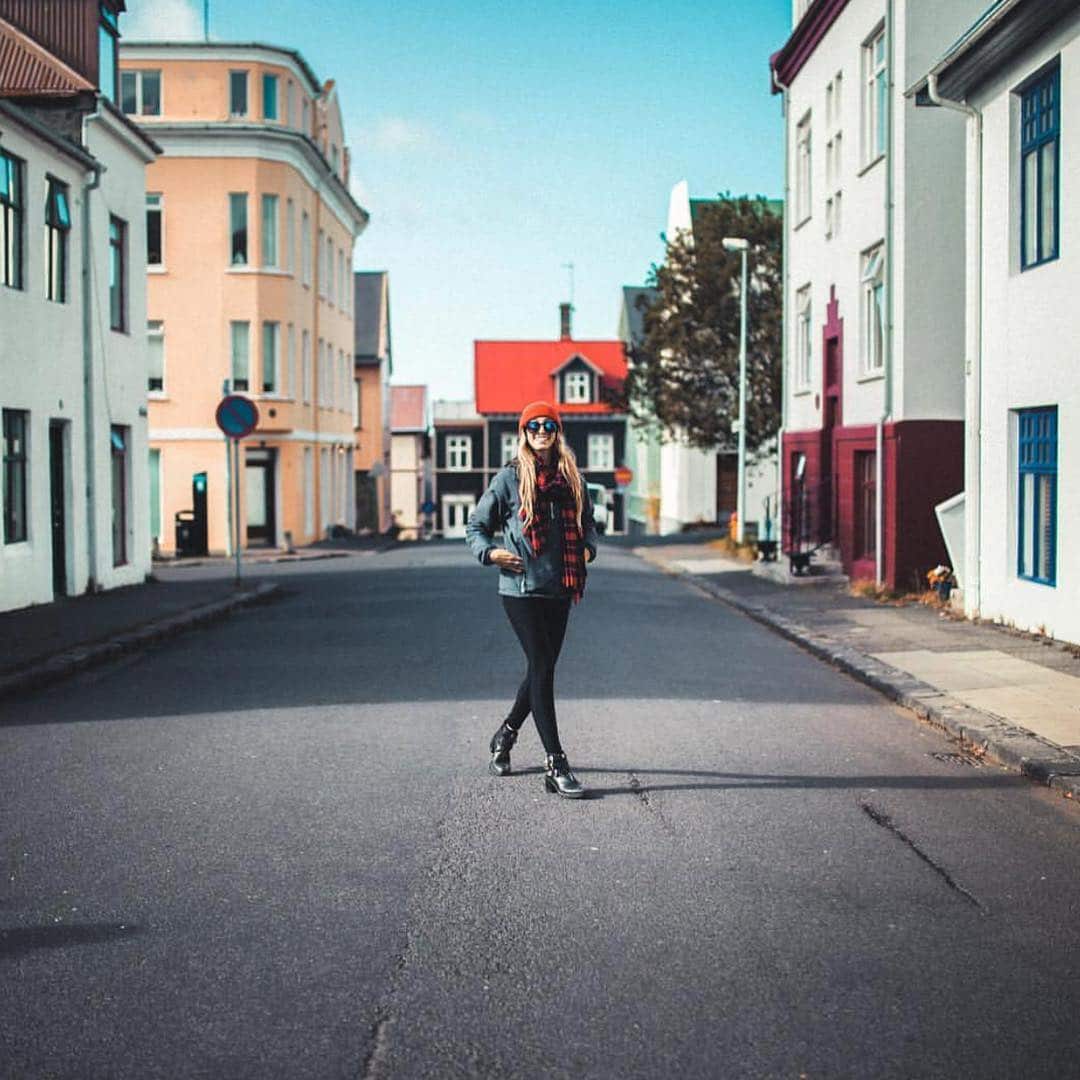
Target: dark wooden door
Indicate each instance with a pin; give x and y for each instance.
(57, 487)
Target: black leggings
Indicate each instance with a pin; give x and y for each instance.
(540, 624)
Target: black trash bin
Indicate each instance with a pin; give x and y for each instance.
(186, 545)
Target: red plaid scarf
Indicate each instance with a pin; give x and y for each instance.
(551, 486)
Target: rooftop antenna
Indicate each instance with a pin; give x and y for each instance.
(206, 20)
(570, 267)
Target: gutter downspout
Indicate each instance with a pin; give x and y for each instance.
(887, 386)
(972, 585)
(784, 305)
(90, 185)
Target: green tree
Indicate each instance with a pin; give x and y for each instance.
(683, 374)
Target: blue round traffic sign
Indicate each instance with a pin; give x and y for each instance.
(237, 416)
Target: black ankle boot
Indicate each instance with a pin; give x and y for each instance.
(501, 744)
(559, 780)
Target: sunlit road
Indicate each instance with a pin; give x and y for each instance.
(271, 848)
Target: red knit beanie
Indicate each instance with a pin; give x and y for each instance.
(537, 410)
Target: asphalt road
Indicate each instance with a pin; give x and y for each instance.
(271, 849)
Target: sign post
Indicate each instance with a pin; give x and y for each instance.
(623, 477)
(237, 416)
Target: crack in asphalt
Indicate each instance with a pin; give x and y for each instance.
(653, 808)
(879, 817)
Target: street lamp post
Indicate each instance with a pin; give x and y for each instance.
(732, 243)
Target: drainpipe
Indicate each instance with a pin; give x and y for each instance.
(972, 584)
(785, 291)
(887, 386)
(91, 184)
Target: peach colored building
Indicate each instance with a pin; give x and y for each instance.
(410, 458)
(250, 234)
(374, 366)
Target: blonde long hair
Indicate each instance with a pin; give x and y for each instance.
(567, 465)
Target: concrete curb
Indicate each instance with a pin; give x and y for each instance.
(82, 657)
(984, 733)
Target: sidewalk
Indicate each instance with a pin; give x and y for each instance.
(1006, 694)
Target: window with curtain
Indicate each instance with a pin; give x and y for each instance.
(270, 230)
(238, 93)
(873, 310)
(271, 353)
(240, 345)
(155, 349)
(155, 211)
(238, 230)
(140, 92)
(11, 220)
(118, 268)
(57, 228)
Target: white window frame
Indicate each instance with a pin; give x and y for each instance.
(271, 359)
(872, 294)
(804, 339)
(577, 387)
(240, 363)
(508, 447)
(834, 155)
(305, 248)
(601, 451)
(269, 248)
(155, 332)
(875, 96)
(458, 453)
(247, 91)
(290, 366)
(305, 367)
(139, 73)
(804, 201)
(290, 236)
(159, 207)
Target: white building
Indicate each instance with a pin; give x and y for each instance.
(73, 358)
(676, 484)
(1017, 72)
(873, 285)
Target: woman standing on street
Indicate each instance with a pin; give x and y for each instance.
(540, 503)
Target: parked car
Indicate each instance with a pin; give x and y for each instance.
(601, 509)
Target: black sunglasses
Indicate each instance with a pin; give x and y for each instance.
(548, 425)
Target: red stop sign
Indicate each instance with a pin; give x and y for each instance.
(623, 476)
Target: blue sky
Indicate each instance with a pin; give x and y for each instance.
(494, 142)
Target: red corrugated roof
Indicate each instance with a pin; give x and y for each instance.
(408, 408)
(510, 374)
(28, 70)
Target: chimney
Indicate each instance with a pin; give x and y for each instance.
(565, 311)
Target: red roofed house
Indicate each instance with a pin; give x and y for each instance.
(574, 375)
(409, 457)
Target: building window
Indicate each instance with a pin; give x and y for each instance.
(290, 236)
(241, 355)
(140, 93)
(305, 248)
(16, 421)
(1037, 501)
(833, 155)
(155, 211)
(305, 116)
(509, 447)
(118, 274)
(865, 504)
(290, 103)
(305, 366)
(330, 268)
(290, 390)
(320, 372)
(358, 404)
(804, 340)
(155, 342)
(320, 255)
(271, 354)
(238, 228)
(873, 310)
(11, 220)
(108, 32)
(119, 438)
(270, 97)
(458, 452)
(238, 86)
(1040, 117)
(803, 193)
(57, 227)
(270, 230)
(576, 386)
(601, 451)
(875, 97)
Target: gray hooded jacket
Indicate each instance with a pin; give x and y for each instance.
(499, 508)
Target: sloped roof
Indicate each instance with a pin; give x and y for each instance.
(408, 408)
(509, 374)
(29, 70)
(371, 337)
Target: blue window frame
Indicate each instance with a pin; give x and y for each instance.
(1037, 502)
(1040, 188)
